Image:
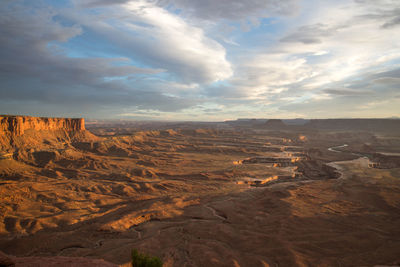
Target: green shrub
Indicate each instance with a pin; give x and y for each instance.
(143, 260)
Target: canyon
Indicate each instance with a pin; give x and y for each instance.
(196, 194)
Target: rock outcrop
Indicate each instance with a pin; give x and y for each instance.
(17, 125)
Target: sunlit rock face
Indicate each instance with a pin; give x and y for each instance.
(17, 125)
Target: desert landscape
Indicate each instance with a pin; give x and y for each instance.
(235, 193)
(199, 133)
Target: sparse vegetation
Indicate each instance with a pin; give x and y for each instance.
(143, 260)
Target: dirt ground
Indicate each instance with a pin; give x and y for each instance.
(203, 197)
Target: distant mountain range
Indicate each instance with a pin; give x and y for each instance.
(375, 125)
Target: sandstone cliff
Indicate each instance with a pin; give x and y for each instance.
(24, 132)
(17, 125)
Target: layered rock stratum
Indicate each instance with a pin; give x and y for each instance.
(17, 125)
(24, 132)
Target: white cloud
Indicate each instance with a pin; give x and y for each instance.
(357, 45)
(161, 39)
(266, 73)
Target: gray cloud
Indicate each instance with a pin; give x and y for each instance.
(390, 76)
(212, 110)
(97, 3)
(392, 23)
(387, 80)
(224, 91)
(35, 71)
(311, 34)
(366, 92)
(90, 97)
(385, 12)
(216, 10)
(346, 92)
(234, 9)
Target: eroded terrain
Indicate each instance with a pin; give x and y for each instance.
(198, 197)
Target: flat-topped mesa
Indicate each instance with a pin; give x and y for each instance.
(17, 125)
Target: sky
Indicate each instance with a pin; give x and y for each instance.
(200, 60)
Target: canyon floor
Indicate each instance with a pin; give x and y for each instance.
(204, 197)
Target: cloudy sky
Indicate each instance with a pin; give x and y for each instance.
(204, 60)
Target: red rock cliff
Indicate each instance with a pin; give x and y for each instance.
(17, 125)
